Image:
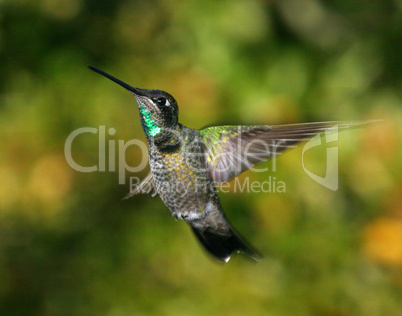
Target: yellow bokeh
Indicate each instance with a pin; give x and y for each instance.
(383, 241)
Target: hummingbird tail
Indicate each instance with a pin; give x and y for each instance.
(221, 246)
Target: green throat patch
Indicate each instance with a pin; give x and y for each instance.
(150, 127)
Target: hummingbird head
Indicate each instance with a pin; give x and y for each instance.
(159, 112)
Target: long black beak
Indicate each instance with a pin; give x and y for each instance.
(119, 82)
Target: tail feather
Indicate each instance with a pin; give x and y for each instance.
(222, 246)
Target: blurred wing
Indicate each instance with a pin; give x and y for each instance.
(234, 149)
(144, 187)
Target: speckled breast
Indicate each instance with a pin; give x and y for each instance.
(181, 179)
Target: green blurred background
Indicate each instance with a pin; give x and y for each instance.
(70, 246)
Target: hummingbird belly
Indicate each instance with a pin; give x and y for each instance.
(182, 182)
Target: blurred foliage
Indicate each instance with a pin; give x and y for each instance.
(70, 246)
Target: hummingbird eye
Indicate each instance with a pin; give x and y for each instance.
(162, 101)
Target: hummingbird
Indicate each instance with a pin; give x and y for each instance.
(188, 164)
